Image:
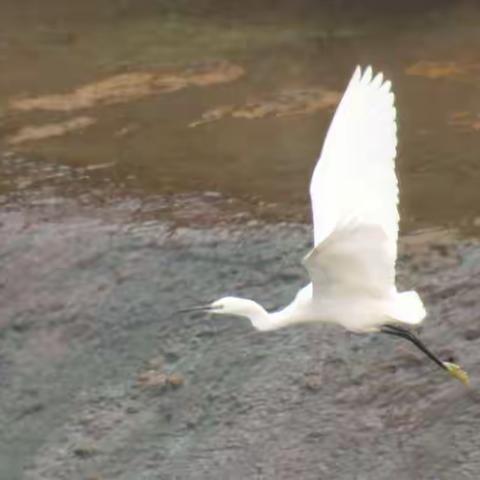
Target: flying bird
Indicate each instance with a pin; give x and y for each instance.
(354, 195)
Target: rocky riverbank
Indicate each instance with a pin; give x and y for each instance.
(101, 379)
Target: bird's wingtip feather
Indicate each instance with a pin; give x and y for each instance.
(367, 74)
(357, 74)
(387, 85)
(377, 80)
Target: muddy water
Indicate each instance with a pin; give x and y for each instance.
(142, 148)
(252, 133)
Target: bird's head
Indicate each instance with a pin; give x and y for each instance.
(241, 307)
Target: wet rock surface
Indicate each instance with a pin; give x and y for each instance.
(102, 379)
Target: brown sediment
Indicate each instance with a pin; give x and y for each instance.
(49, 130)
(285, 103)
(441, 69)
(130, 86)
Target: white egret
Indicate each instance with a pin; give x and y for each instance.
(354, 196)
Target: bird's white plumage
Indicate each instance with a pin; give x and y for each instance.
(354, 178)
(354, 195)
(351, 261)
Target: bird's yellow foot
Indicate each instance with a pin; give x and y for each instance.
(457, 372)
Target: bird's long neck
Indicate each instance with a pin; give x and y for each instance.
(265, 321)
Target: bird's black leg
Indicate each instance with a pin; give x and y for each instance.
(404, 333)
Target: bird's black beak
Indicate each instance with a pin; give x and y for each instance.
(198, 308)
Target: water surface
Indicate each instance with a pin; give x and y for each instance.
(195, 138)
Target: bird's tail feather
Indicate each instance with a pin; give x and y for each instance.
(408, 308)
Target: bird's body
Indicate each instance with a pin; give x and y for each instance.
(357, 312)
(354, 203)
(354, 195)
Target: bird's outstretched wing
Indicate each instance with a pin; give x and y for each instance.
(354, 179)
(352, 261)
